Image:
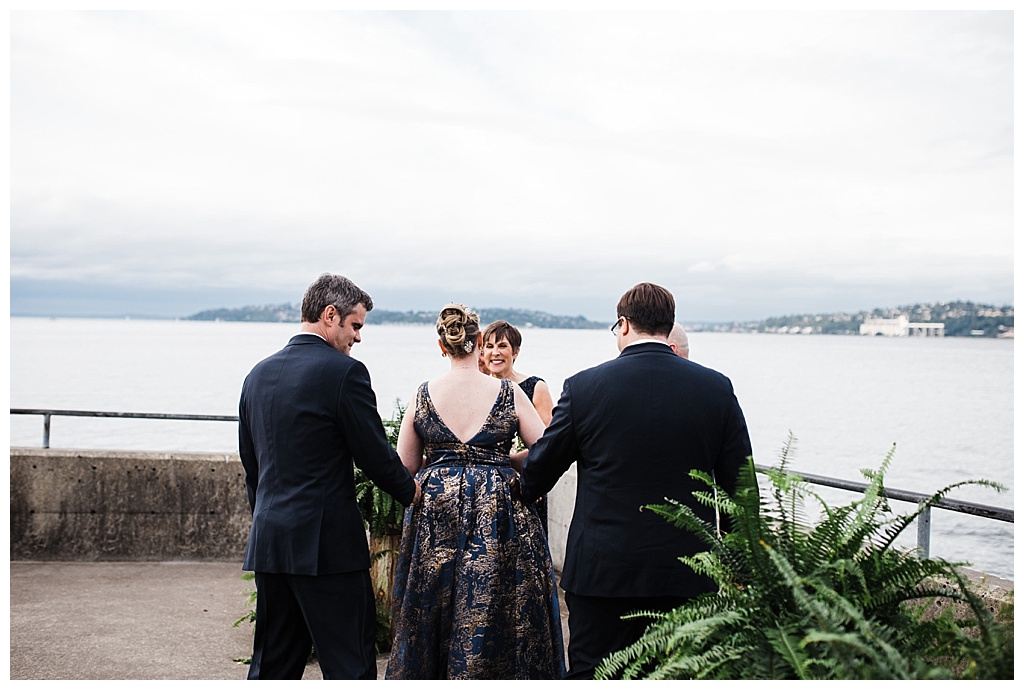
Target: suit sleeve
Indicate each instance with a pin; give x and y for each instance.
(735, 446)
(359, 419)
(247, 453)
(553, 453)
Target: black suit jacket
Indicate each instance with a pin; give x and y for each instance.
(305, 414)
(636, 426)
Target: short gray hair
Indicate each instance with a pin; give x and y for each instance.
(332, 289)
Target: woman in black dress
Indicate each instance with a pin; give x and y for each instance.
(501, 344)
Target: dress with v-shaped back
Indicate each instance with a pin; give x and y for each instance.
(474, 593)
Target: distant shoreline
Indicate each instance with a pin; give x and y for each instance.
(959, 319)
(956, 319)
(521, 318)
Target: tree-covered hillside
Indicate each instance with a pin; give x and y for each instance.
(521, 318)
(960, 319)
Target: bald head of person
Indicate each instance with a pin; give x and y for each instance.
(678, 341)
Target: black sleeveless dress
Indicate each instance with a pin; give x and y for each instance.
(529, 385)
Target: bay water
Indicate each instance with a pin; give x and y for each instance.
(946, 403)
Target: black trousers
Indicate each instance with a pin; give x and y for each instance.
(333, 613)
(596, 628)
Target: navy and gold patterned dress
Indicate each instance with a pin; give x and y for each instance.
(474, 594)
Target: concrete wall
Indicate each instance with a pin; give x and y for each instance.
(561, 501)
(94, 505)
(85, 505)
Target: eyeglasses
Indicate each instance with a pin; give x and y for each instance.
(617, 324)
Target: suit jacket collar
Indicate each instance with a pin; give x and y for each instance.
(638, 348)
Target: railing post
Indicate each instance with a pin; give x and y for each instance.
(46, 431)
(924, 531)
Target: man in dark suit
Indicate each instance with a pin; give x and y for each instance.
(635, 426)
(306, 413)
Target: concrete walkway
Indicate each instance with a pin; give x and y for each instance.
(133, 621)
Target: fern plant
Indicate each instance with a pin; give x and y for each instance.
(250, 615)
(382, 514)
(383, 517)
(831, 600)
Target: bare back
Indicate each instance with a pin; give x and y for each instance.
(463, 399)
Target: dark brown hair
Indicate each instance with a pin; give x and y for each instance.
(503, 329)
(650, 308)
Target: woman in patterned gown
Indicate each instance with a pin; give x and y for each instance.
(501, 345)
(475, 594)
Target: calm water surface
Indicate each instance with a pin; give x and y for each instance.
(946, 404)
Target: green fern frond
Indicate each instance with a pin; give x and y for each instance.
(833, 599)
(788, 646)
(683, 517)
(664, 639)
(934, 500)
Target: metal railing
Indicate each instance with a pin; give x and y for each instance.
(125, 415)
(924, 520)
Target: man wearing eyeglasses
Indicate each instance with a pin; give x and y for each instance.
(635, 426)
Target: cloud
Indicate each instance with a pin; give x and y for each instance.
(546, 160)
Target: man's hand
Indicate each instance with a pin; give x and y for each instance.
(419, 492)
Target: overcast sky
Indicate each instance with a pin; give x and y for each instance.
(756, 164)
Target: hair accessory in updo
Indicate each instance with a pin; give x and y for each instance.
(458, 326)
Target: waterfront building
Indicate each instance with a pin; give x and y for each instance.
(901, 327)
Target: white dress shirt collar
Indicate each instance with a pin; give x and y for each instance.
(646, 340)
